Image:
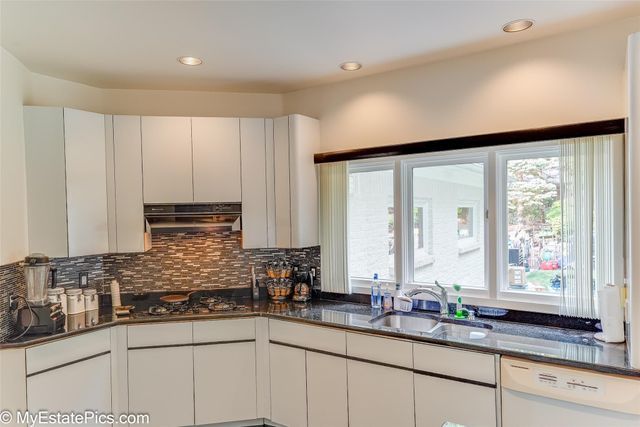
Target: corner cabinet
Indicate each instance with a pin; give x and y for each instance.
(66, 181)
(279, 185)
(79, 202)
(70, 375)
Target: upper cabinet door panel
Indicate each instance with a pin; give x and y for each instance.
(86, 182)
(304, 140)
(216, 159)
(127, 152)
(254, 188)
(167, 160)
(46, 186)
(282, 179)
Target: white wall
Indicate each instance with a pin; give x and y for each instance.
(13, 202)
(574, 77)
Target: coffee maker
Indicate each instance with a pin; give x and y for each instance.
(38, 315)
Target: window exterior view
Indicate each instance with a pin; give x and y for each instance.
(534, 224)
(448, 200)
(371, 224)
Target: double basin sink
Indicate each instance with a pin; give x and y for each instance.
(427, 324)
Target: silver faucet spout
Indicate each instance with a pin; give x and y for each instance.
(442, 297)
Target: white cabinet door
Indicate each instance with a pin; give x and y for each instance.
(288, 386)
(76, 387)
(129, 212)
(281, 181)
(379, 395)
(46, 185)
(216, 159)
(254, 183)
(296, 140)
(167, 159)
(85, 156)
(439, 400)
(161, 384)
(225, 382)
(304, 137)
(327, 390)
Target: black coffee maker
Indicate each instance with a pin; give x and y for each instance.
(38, 315)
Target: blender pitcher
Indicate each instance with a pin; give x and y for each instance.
(36, 273)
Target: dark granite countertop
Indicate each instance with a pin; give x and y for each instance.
(538, 343)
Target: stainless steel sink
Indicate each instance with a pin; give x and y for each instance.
(423, 323)
(404, 322)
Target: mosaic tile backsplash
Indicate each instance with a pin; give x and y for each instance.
(176, 261)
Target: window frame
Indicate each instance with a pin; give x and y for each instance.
(491, 295)
(362, 285)
(441, 159)
(502, 253)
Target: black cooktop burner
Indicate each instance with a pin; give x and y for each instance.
(203, 306)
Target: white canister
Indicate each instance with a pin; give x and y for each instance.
(90, 299)
(56, 295)
(75, 301)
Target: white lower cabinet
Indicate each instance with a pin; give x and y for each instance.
(379, 395)
(288, 385)
(225, 382)
(327, 390)
(79, 386)
(161, 384)
(440, 400)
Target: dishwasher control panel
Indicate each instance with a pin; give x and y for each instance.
(613, 392)
(577, 383)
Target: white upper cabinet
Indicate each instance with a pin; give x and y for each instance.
(296, 140)
(281, 148)
(255, 227)
(167, 160)
(304, 142)
(85, 156)
(278, 165)
(129, 206)
(46, 182)
(216, 159)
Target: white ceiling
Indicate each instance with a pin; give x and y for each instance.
(267, 46)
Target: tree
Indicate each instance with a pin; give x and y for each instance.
(533, 186)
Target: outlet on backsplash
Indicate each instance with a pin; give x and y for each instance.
(83, 279)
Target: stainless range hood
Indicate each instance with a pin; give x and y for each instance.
(181, 217)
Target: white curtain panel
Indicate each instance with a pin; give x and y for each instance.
(591, 210)
(333, 226)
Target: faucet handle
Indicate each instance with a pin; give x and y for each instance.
(442, 289)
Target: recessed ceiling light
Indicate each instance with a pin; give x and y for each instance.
(517, 25)
(189, 60)
(351, 66)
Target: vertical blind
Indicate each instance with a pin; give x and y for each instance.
(590, 185)
(333, 226)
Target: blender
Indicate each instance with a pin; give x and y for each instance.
(38, 315)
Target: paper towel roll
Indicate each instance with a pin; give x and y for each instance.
(115, 294)
(611, 314)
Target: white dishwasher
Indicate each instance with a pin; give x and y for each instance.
(542, 395)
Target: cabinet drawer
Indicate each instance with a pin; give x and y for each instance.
(67, 350)
(224, 330)
(469, 365)
(173, 333)
(377, 349)
(313, 337)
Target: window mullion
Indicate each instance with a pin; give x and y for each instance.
(492, 207)
(399, 209)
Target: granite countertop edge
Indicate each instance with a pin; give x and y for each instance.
(112, 322)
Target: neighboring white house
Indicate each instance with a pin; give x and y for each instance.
(448, 209)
